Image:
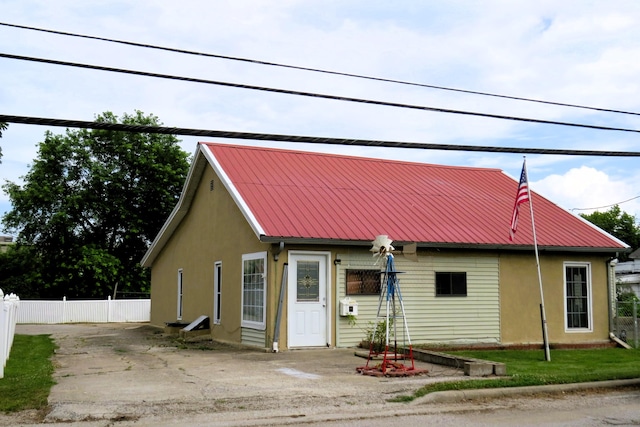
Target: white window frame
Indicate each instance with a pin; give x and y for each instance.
(180, 289)
(587, 266)
(252, 324)
(217, 291)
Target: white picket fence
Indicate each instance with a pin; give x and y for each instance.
(8, 316)
(85, 311)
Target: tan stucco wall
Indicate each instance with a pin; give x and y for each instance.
(520, 298)
(193, 249)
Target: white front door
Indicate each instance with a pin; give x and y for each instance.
(307, 296)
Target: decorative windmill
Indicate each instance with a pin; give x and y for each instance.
(396, 360)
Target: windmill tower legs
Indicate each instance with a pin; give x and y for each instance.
(397, 358)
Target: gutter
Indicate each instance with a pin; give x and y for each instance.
(290, 240)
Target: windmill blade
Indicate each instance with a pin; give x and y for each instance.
(381, 245)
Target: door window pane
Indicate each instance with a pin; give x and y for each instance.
(308, 285)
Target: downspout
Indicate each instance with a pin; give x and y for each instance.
(611, 283)
(283, 287)
(276, 332)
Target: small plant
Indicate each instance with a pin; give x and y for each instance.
(351, 319)
(376, 335)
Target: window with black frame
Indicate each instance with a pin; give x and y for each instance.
(451, 284)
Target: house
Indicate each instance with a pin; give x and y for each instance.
(256, 224)
(5, 243)
(628, 274)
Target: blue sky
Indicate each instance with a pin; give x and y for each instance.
(574, 51)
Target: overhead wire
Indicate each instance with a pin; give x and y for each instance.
(316, 70)
(605, 206)
(311, 94)
(318, 140)
(290, 138)
(300, 139)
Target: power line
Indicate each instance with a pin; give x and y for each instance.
(606, 206)
(301, 139)
(316, 70)
(311, 94)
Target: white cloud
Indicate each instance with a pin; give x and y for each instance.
(586, 189)
(570, 51)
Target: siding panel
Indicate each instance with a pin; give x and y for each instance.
(471, 319)
(253, 337)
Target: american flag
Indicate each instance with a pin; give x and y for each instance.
(521, 197)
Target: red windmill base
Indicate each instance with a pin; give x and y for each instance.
(393, 364)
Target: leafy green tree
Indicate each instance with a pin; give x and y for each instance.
(92, 202)
(17, 272)
(619, 224)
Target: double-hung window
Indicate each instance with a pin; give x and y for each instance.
(254, 289)
(577, 286)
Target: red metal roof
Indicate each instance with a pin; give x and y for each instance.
(306, 195)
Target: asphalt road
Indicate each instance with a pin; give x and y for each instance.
(607, 407)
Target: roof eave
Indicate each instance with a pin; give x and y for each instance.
(434, 245)
(233, 191)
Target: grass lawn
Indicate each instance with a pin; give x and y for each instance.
(28, 374)
(528, 368)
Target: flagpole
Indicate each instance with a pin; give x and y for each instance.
(545, 336)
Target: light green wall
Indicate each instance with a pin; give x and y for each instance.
(470, 319)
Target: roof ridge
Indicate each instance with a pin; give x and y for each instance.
(347, 156)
